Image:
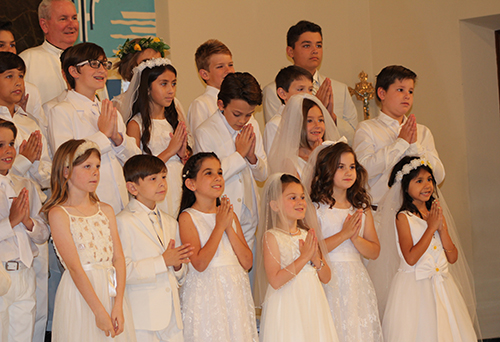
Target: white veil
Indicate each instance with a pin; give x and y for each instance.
(284, 155)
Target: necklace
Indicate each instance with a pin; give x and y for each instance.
(296, 233)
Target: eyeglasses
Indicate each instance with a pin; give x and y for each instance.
(96, 64)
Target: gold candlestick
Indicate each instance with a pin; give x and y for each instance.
(364, 91)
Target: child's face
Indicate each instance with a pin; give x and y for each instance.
(421, 187)
(209, 181)
(398, 98)
(162, 90)
(85, 177)
(237, 112)
(293, 202)
(11, 87)
(7, 150)
(315, 125)
(345, 175)
(7, 42)
(308, 51)
(147, 55)
(220, 65)
(90, 79)
(152, 189)
(298, 86)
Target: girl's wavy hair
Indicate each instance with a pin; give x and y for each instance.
(322, 183)
(407, 204)
(190, 171)
(142, 106)
(58, 182)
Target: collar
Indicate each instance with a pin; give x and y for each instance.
(141, 207)
(6, 179)
(386, 119)
(212, 91)
(5, 113)
(229, 128)
(280, 109)
(83, 100)
(52, 49)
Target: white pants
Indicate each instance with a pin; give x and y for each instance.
(170, 334)
(18, 306)
(41, 267)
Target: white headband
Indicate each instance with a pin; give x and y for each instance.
(81, 149)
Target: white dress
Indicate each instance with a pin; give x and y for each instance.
(217, 304)
(424, 302)
(350, 292)
(298, 310)
(73, 319)
(159, 141)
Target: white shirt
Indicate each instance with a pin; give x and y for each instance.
(10, 186)
(38, 171)
(202, 108)
(34, 107)
(76, 118)
(378, 149)
(271, 129)
(343, 106)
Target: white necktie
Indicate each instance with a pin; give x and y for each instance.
(153, 217)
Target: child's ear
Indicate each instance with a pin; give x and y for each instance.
(66, 172)
(132, 188)
(220, 104)
(381, 93)
(274, 206)
(73, 71)
(282, 94)
(190, 184)
(290, 51)
(204, 74)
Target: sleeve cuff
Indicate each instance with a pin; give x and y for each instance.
(159, 265)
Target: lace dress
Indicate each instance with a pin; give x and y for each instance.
(217, 304)
(424, 303)
(297, 311)
(350, 292)
(73, 319)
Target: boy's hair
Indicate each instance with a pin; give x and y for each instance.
(287, 75)
(45, 8)
(390, 74)
(142, 165)
(206, 50)
(77, 54)
(240, 86)
(9, 125)
(6, 26)
(296, 30)
(407, 204)
(326, 166)
(307, 104)
(9, 61)
(190, 171)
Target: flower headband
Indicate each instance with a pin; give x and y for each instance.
(151, 63)
(407, 168)
(155, 43)
(81, 149)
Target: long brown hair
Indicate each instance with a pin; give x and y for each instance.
(58, 182)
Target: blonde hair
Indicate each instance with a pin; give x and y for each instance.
(58, 181)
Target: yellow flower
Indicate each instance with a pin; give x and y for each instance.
(137, 47)
(156, 40)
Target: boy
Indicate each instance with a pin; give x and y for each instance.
(381, 142)
(214, 61)
(305, 47)
(234, 135)
(154, 266)
(289, 81)
(20, 228)
(82, 116)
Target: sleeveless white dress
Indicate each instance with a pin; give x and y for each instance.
(298, 310)
(217, 304)
(424, 303)
(350, 292)
(73, 319)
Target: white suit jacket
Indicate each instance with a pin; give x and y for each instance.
(152, 288)
(214, 136)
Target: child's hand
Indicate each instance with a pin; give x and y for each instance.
(32, 149)
(23, 103)
(183, 153)
(252, 158)
(177, 256)
(243, 141)
(107, 122)
(409, 130)
(224, 217)
(352, 225)
(103, 322)
(178, 139)
(325, 95)
(308, 247)
(435, 217)
(20, 208)
(117, 319)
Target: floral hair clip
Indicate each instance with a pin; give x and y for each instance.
(155, 43)
(412, 165)
(151, 63)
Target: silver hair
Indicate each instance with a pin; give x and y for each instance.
(44, 9)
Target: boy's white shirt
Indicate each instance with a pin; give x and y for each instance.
(34, 107)
(343, 106)
(202, 108)
(271, 129)
(378, 149)
(152, 287)
(216, 135)
(76, 118)
(10, 186)
(38, 171)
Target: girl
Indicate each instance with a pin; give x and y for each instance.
(305, 124)
(424, 302)
(156, 125)
(288, 285)
(216, 298)
(338, 190)
(89, 302)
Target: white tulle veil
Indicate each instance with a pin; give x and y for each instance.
(271, 219)
(284, 155)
